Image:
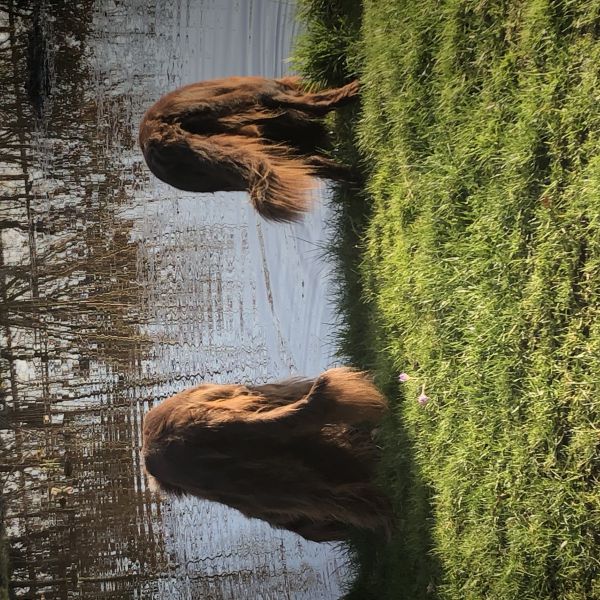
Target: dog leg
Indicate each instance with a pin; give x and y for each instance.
(318, 103)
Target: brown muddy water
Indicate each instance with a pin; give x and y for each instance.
(118, 291)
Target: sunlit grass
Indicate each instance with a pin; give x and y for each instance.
(472, 263)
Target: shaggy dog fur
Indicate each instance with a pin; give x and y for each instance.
(264, 136)
(297, 454)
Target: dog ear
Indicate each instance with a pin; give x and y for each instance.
(279, 184)
(348, 396)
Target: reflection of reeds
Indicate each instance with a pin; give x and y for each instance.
(93, 299)
(69, 331)
(4, 552)
(75, 285)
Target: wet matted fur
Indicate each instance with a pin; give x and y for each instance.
(264, 136)
(298, 454)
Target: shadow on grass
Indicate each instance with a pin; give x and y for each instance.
(403, 567)
(329, 54)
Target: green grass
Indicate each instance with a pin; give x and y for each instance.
(472, 262)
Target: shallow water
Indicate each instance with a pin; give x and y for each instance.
(119, 291)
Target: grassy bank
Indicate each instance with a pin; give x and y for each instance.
(472, 263)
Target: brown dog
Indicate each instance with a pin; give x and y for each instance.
(297, 454)
(264, 136)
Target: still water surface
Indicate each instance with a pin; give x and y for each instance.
(119, 291)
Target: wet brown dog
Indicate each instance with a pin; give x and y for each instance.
(297, 454)
(264, 136)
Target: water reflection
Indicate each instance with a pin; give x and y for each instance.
(118, 291)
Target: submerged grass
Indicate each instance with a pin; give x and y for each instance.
(472, 262)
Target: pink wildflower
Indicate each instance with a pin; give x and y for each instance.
(423, 399)
(403, 377)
